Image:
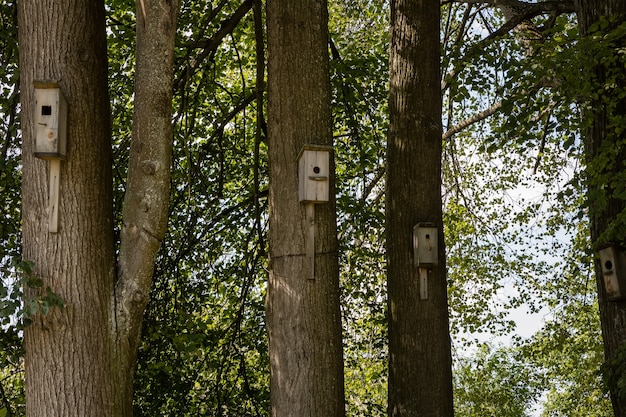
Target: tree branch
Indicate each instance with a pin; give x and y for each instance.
(225, 29)
(209, 46)
(471, 120)
(559, 6)
(260, 117)
(522, 11)
(542, 145)
(146, 202)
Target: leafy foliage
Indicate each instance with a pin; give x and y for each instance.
(614, 372)
(496, 381)
(15, 303)
(11, 377)
(204, 349)
(515, 210)
(359, 80)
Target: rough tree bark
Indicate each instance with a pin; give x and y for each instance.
(303, 316)
(146, 203)
(80, 360)
(600, 135)
(69, 354)
(420, 374)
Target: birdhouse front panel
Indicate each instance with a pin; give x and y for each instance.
(425, 250)
(613, 263)
(50, 121)
(314, 173)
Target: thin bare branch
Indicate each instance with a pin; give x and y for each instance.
(209, 46)
(471, 120)
(559, 6)
(522, 11)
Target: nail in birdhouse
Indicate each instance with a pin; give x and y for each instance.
(314, 173)
(50, 121)
(613, 262)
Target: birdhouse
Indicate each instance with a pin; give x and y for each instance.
(613, 262)
(425, 239)
(314, 173)
(50, 121)
(313, 188)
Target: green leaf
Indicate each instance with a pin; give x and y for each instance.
(31, 308)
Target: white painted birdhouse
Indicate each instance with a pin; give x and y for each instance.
(613, 262)
(425, 249)
(50, 121)
(314, 173)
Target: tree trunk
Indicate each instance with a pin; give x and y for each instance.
(69, 353)
(420, 373)
(80, 360)
(146, 203)
(303, 317)
(601, 120)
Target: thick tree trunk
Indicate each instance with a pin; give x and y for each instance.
(599, 137)
(420, 375)
(303, 316)
(69, 353)
(80, 360)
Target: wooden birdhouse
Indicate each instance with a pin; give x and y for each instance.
(50, 121)
(314, 173)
